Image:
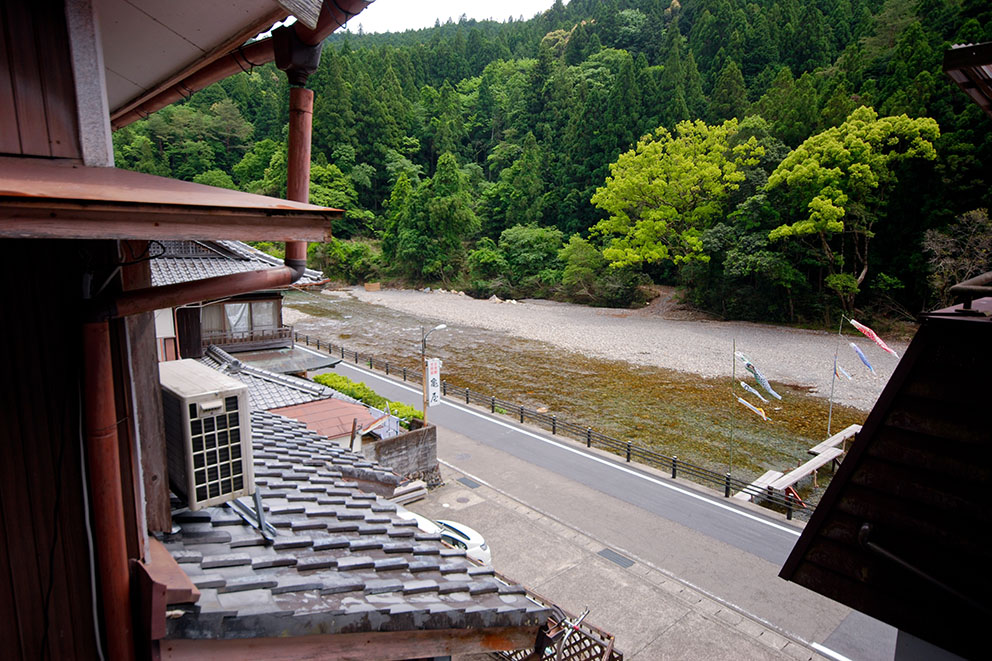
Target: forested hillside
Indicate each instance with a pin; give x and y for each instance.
(780, 159)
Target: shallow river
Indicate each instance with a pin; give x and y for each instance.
(694, 418)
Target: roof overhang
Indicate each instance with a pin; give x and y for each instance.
(333, 418)
(970, 66)
(897, 534)
(147, 43)
(156, 53)
(293, 360)
(42, 198)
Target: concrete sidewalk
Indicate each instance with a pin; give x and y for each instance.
(653, 614)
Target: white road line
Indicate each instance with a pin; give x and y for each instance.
(624, 469)
(826, 651)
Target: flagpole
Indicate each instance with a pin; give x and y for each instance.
(833, 378)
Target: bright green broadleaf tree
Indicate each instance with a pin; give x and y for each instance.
(836, 182)
(661, 195)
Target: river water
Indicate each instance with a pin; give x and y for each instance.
(697, 419)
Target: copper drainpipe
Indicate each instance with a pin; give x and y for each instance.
(102, 453)
(103, 464)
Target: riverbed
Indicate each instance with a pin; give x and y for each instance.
(652, 376)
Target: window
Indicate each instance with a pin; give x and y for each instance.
(454, 541)
(240, 318)
(264, 315)
(212, 319)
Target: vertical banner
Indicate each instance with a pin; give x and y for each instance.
(433, 381)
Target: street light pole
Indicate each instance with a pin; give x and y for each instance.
(423, 361)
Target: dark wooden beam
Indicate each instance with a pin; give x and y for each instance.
(28, 219)
(372, 645)
(970, 67)
(974, 55)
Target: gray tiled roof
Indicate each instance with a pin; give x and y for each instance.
(185, 261)
(266, 390)
(343, 560)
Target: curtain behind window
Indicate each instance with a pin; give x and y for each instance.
(212, 318)
(263, 315)
(238, 317)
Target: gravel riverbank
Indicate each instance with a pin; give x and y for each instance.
(660, 335)
(650, 336)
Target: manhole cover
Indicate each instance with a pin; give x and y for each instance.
(462, 499)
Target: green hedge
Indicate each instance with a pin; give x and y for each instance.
(366, 395)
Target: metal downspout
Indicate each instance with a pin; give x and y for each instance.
(298, 167)
(103, 465)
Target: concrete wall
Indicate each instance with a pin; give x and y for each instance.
(412, 454)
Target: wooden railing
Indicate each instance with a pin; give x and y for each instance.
(258, 337)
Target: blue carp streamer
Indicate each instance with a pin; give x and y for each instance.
(862, 356)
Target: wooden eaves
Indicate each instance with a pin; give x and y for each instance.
(42, 198)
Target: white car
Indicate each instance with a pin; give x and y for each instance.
(456, 534)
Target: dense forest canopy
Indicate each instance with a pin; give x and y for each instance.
(779, 159)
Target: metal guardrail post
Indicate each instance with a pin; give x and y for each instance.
(370, 363)
(466, 396)
(788, 506)
(318, 344)
(726, 487)
(404, 374)
(628, 452)
(675, 463)
(588, 437)
(307, 337)
(387, 368)
(444, 388)
(554, 425)
(492, 404)
(521, 414)
(342, 353)
(356, 357)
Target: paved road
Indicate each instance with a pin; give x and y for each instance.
(730, 552)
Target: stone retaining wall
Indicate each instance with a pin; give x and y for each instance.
(412, 454)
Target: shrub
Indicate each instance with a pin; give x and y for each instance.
(366, 395)
(351, 261)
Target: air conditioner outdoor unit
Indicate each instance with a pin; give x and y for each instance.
(207, 433)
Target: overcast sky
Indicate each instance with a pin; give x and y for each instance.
(400, 15)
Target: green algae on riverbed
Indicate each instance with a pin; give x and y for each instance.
(697, 419)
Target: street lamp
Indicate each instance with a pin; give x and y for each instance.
(423, 361)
